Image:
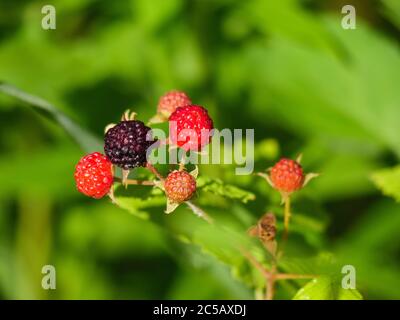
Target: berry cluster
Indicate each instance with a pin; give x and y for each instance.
(128, 143)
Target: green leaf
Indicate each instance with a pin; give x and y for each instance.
(136, 199)
(217, 186)
(85, 139)
(222, 240)
(219, 241)
(388, 180)
(392, 11)
(371, 247)
(146, 202)
(50, 172)
(325, 288)
(309, 105)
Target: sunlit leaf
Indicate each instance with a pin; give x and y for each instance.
(218, 187)
(138, 199)
(388, 181)
(324, 288)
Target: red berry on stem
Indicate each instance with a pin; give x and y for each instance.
(287, 175)
(180, 186)
(93, 175)
(172, 100)
(190, 127)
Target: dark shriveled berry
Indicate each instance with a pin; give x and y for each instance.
(126, 145)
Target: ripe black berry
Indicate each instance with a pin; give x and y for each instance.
(126, 144)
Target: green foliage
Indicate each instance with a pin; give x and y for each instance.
(285, 68)
(137, 200)
(388, 180)
(373, 244)
(86, 140)
(218, 187)
(324, 288)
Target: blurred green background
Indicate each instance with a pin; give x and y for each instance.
(285, 68)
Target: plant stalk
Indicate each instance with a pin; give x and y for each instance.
(154, 171)
(135, 182)
(199, 212)
(286, 218)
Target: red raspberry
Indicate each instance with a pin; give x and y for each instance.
(180, 186)
(287, 175)
(93, 175)
(190, 127)
(172, 100)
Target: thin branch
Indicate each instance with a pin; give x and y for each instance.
(286, 218)
(268, 275)
(135, 182)
(270, 284)
(270, 288)
(182, 162)
(256, 263)
(154, 171)
(289, 276)
(199, 212)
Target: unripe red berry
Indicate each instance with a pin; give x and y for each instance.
(93, 175)
(180, 186)
(172, 100)
(287, 175)
(190, 127)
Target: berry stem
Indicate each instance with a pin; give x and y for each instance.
(154, 171)
(199, 212)
(125, 175)
(182, 162)
(272, 275)
(286, 218)
(269, 275)
(256, 263)
(289, 276)
(111, 194)
(270, 285)
(135, 182)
